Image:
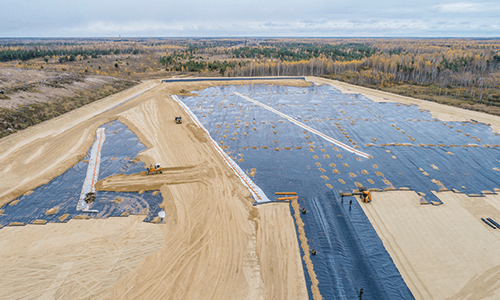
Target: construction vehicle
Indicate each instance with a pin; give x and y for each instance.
(89, 197)
(178, 120)
(366, 196)
(154, 169)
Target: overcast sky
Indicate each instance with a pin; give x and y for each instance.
(261, 18)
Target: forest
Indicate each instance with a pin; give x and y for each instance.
(298, 52)
(461, 72)
(452, 71)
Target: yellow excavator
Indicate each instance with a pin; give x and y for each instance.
(154, 169)
(366, 196)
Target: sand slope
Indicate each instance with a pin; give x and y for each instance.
(39, 153)
(213, 244)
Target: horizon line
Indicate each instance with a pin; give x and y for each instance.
(258, 37)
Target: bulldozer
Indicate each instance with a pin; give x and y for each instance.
(154, 169)
(178, 120)
(89, 197)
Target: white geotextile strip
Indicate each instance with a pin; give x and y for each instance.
(322, 135)
(257, 193)
(92, 170)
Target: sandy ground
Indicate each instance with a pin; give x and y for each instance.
(46, 86)
(213, 244)
(440, 111)
(39, 153)
(76, 260)
(445, 251)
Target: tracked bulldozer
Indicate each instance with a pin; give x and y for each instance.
(90, 197)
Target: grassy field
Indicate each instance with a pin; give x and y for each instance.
(23, 116)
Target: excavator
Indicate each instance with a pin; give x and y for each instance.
(366, 196)
(178, 120)
(154, 169)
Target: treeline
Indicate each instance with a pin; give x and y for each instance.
(298, 52)
(200, 45)
(189, 60)
(467, 73)
(453, 67)
(466, 69)
(409, 67)
(24, 55)
(173, 64)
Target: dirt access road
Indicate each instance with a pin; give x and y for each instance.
(213, 243)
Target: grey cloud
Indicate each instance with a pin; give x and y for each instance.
(249, 18)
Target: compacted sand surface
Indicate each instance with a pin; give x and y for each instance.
(212, 244)
(445, 251)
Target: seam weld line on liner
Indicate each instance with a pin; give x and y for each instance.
(92, 170)
(344, 146)
(257, 193)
